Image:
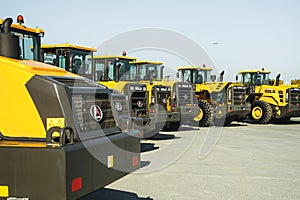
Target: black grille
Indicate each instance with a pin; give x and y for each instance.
(185, 95)
(82, 104)
(121, 111)
(280, 92)
(163, 94)
(295, 96)
(138, 97)
(239, 95)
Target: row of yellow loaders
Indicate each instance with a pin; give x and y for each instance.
(75, 118)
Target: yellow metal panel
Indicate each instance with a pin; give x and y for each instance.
(34, 67)
(4, 191)
(114, 85)
(67, 45)
(52, 122)
(254, 71)
(114, 57)
(24, 144)
(24, 28)
(141, 62)
(19, 116)
(194, 68)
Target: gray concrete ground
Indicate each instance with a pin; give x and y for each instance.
(248, 162)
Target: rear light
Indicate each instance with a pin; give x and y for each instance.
(141, 134)
(76, 184)
(135, 161)
(173, 109)
(174, 105)
(291, 109)
(230, 109)
(151, 110)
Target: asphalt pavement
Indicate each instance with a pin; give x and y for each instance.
(240, 161)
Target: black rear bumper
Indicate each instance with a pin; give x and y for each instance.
(36, 171)
(234, 112)
(286, 111)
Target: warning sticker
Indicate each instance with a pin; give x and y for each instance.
(110, 161)
(3, 191)
(52, 122)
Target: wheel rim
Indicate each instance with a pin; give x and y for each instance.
(257, 112)
(200, 116)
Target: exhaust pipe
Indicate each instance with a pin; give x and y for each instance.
(277, 80)
(6, 25)
(9, 43)
(222, 76)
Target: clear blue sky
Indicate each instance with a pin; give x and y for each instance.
(251, 34)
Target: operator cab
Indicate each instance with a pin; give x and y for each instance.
(114, 68)
(73, 58)
(148, 70)
(255, 77)
(194, 74)
(29, 40)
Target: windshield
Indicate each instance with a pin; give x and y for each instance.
(29, 45)
(255, 78)
(186, 75)
(110, 69)
(73, 60)
(82, 63)
(150, 71)
(262, 79)
(195, 76)
(202, 76)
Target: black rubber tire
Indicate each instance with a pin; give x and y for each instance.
(206, 109)
(266, 112)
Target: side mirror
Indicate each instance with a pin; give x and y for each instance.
(213, 78)
(236, 78)
(99, 75)
(162, 72)
(117, 78)
(151, 78)
(177, 75)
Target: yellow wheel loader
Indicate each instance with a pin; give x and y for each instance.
(172, 102)
(220, 102)
(66, 142)
(79, 60)
(270, 100)
(73, 58)
(295, 82)
(113, 71)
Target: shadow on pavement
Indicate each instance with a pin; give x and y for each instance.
(111, 194)
(161, 136)
(148, 147)
(145, 163)
(285, 122)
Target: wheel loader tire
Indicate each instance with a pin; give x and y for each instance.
(205, 115)
(261, 112)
